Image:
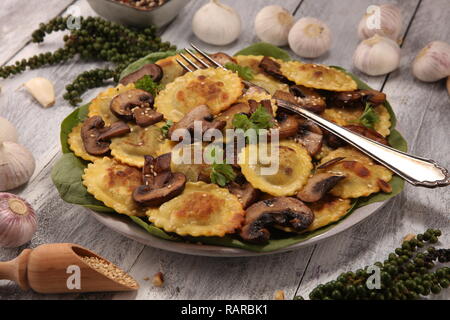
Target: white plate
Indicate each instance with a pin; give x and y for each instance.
(129, 229)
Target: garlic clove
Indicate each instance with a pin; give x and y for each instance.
(7, 131)
(42, 90)
(216, 23)
(16, 165)
(385, 20)
(272, 25)
(433, 62)
(17, 221)
(309, 37)
(377, 56)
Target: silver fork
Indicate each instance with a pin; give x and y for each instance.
(416, 170)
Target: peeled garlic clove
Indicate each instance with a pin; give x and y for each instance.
(16, 165)
(309, 38)
(17, 221)
(7, 131)
(433, 62)
(384, 20)
(42, 90)
(272, 25)
(216, 23)
(377, 56)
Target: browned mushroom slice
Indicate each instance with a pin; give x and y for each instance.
(222, 58)
(136, 104)
(318, 185)
(356, 98)
(228, 115)
(282, 211)
(272, 68)
(94, 134)
(288, 125)
(266, 104)
(308, 98)
(201, 114)
(150, 69)
(245, 193)
(145, 117)
(310, 136)
(330, 163)
(160, 184)
(335, 142)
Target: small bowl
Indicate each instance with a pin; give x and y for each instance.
(137, 17)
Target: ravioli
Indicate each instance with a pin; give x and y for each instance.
(362, 174)
(113, 183)
(131, 148)
(77, 146)
(348, 116)
(294, 168)
(171, 69)
(317, 76)
(328, 210)
(260, 77)
(100, 105)
(201, 210)
(216, 88)
(193, 171)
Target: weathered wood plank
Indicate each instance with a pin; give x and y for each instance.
(422, 110)
(180, 31)
(343, 16)
(19, 19)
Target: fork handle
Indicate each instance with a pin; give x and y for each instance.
(418, 171)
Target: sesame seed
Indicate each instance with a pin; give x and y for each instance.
(110, 270)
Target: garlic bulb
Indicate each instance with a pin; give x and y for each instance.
(16, 165)
(216, 23)
(433, 62)
(377, 55)
(17, 221)
(272, 25)
(309, 38)
(42, 90)
(7, 131)
(384, 20)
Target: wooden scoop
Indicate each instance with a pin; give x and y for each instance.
(56, 268)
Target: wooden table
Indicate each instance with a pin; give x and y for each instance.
(424, 118)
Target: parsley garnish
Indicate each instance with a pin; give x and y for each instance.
(222, 173)
(260, 119)
(146, 83)
(369, 117)
(165, 128)
(245, 73)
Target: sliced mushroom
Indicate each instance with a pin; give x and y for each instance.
(310, 136)
(288, 124)
(318, 185)
(150, 69)
(266, 104)
(313, 104)
(228, 115)
(308, 98)
(201, 114)
(245, 193)
(272, 68)
(335, 142)
(160, 184)
(95, 135)
(135, 104)
(357, 98)
(222, 58)
(330, 163)
(282, 211)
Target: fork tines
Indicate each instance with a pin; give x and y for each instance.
(192, 65)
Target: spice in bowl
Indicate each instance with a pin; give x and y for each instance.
(111, 271)
(143, 4)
